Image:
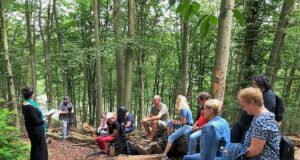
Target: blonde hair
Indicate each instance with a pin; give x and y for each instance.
(215, 105)
(251, 94)
(182, 104)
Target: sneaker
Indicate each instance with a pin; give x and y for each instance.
(164, 157)
(103, 152)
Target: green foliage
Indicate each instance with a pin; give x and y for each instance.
(188, 8)
(10, 145)
(239, 16)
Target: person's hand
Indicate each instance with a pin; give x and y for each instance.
(144, 119)
(174, 122)
(196, 128)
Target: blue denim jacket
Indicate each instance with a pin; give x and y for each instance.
(216, 129)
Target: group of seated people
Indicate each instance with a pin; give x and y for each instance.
(210, 131)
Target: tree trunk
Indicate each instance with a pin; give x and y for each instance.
(286, 11)
(140, 62)
(8, 67)
(60, 48)
(184, 59)
(119, 54)
(28, 13)
(47, 52)
(251, 57)
(222, 50)
(98, 67)
(288, 86)
(129, 55)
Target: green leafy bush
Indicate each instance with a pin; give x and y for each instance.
(11, 146)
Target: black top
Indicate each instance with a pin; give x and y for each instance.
(112, 127)
(33, 118)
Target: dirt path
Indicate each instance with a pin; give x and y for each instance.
(58, 150)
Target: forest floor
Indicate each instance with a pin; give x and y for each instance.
(58, 150)
(67, 151)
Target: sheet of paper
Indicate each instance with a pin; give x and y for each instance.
(52, 111)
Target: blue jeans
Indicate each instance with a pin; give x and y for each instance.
(192, 157)
(129, 130)
(198, 156)
(192, 139)
(178, 133)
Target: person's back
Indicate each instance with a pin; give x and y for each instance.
(213, 132)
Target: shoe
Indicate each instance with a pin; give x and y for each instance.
(103, 152)
(48, 140)
(164, 157)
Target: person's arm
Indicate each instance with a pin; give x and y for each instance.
(128, 123)
(256, 147)
(270, 100)
(259, 137)
(60, 106)
(157, 117)
(146, 118)
(162, 111)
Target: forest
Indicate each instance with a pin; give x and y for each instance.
(109, 53)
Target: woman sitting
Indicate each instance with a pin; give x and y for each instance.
(263, 134)
(215, 134)
(186, 121)
(102, 130)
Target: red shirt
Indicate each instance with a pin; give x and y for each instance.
(201, 121)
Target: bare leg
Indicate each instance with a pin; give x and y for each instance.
(154, 126)
(168, 131)
(168, 147)
(146, 127)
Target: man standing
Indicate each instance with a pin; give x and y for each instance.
(158, 117)
(65, 109)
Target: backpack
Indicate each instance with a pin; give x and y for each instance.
(279, 109)
(286, 151)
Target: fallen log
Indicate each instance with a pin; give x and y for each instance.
(74, 136)
(54, 135)
(139, 157)
(295, 140)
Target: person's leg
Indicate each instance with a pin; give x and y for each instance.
(192, 157)
(153, 130)
(102, 142)
(64, 129)
(187, 135)
(235, 133)
(179, 132)
(99, 141)
(146, 127)
(194, 137)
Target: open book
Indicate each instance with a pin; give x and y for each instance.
(52, 111)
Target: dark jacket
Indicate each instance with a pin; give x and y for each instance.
(34, 126)
(269, 100)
